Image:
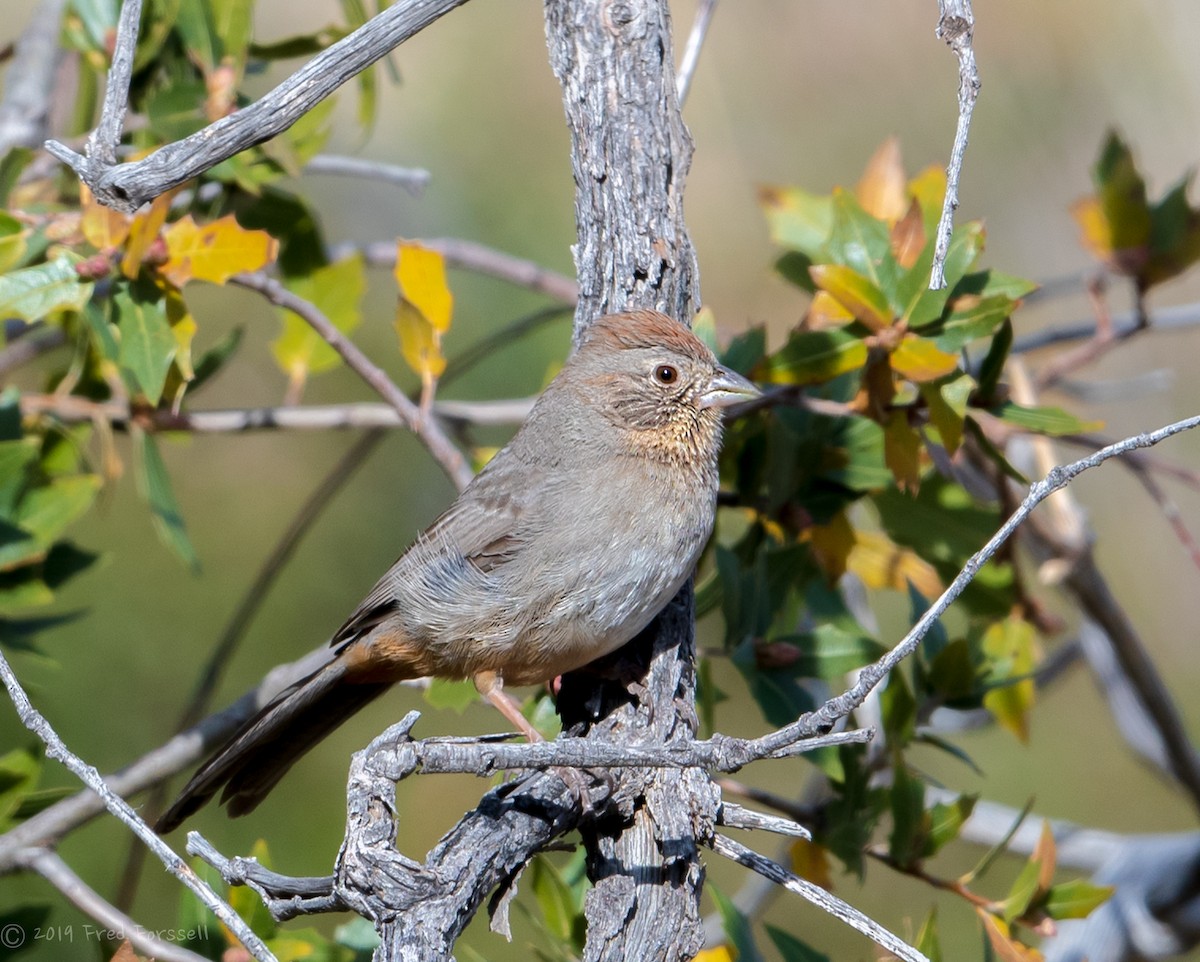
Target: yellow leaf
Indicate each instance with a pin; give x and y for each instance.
(881, 563)
(857, 294)
(721, 953)
(929, 190)
(811, 861)
(882, 190)
(215, 252)
(1010, 645)
(103, 227)
(143, 232)
(902, 452)
(420, 341)
(825, 312)
(336, 290)
(832, 544)
(183, 326)
(1094, 228)
(919, 359)
(421, 274)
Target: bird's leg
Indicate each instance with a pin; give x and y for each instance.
(490, 685)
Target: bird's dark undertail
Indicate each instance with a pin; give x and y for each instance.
(271, 743)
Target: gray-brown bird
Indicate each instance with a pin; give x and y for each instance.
(571, 539)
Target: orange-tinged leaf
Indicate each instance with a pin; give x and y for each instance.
(143, 232)
(811, 861)
(855, 293)
(920, 359)
(103, 227)
(902, 452)
(420, 341)
(1093, 227)
(421, 274)
(825, 312)
(125, 953)
(882, 190)
(1004, 945)
(881, 563)
(1045, 854)
(908, 236)
(215, 252)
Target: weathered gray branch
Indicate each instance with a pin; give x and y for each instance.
(127, 186)
(29, 79)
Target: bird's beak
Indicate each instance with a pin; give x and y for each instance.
(727, 388)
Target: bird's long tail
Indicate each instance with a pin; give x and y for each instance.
(261, 753)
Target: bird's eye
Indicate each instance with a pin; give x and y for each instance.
(666, 374)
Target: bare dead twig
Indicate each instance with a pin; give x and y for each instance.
(50, 866)
(412, 179)
(956, 26)
(29, 81)
(427, 429)
(33, 720)
(818, 896)
(691, 52)
(127, 186)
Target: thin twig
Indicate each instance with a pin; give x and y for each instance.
(103, 142)
(71, 408)
(818, 896)
(30, 346)
(50, 866)
(1143, 461)
(473, 256)
(872, 675)
(1178, 317)
(32, 719)
(691, 52)
(426, 428)
(412, 179)
(956, 26)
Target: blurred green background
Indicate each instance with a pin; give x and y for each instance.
(795, 93)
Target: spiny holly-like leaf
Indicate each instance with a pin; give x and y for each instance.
(147, 345)
(336, 290)
(155, 485)
(1010, 646)
(215, 252)
(797, 219)
(919, 359)
(1075, 899)
(813, 356)
(34, 293)
(863, 299)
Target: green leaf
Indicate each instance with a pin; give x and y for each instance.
(736, 926)
(147, 345)
(946, 822)
(993, 364)
(12, 166)
(830, 651)
(446, 693)
(336, 290)
(919, 359)
(1052, 421)
(746, 350)
(247, 903)
(19, 771)
(213, 360)
(813, 356)
(33, 293)
(861, 242)
(906, 841)
(155, 486)
(928, 943)
(792, 949)
(12, 241)
(1122, 195)
(798, 219)
(951, 674)
(981, 319)
(1075, 899)
(40, 800)
(560, 911)
(1022, 893)
(18, 634)
(966, 244)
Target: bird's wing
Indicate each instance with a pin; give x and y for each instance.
(484, 528)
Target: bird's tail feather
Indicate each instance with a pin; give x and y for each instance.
(249, 766)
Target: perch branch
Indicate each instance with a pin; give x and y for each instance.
(30, 79)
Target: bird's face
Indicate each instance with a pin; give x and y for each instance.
(659, 384)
